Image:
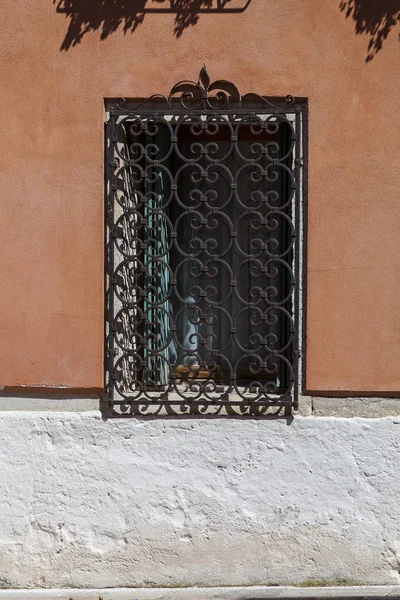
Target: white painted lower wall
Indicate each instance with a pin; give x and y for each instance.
(172, 502)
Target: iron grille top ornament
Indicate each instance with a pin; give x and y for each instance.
(203, 251)
(204, 95)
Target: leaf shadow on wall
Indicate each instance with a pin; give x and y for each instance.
(107, 16)
(374, 18)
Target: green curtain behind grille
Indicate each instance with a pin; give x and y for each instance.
(156, 280)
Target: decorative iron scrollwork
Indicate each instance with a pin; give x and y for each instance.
(204, 95)
(203, 251)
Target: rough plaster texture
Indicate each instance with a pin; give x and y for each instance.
(93, 503)
(355, 407)
(52, 170)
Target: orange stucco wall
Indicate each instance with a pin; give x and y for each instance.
(51, 162)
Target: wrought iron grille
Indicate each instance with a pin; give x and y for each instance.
(203, 251)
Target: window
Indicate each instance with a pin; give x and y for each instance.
(203, 251)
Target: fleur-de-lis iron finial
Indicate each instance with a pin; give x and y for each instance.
(204, 78)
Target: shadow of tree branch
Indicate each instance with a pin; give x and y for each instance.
(375, 18)
(107, 16)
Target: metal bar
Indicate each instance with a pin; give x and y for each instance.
(110, 251)
(296, 348)
(193, 112)
(304, 248)
(225, 403)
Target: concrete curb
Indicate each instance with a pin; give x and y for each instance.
(377, 592)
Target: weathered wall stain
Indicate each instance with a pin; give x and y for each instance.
(98, 504)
